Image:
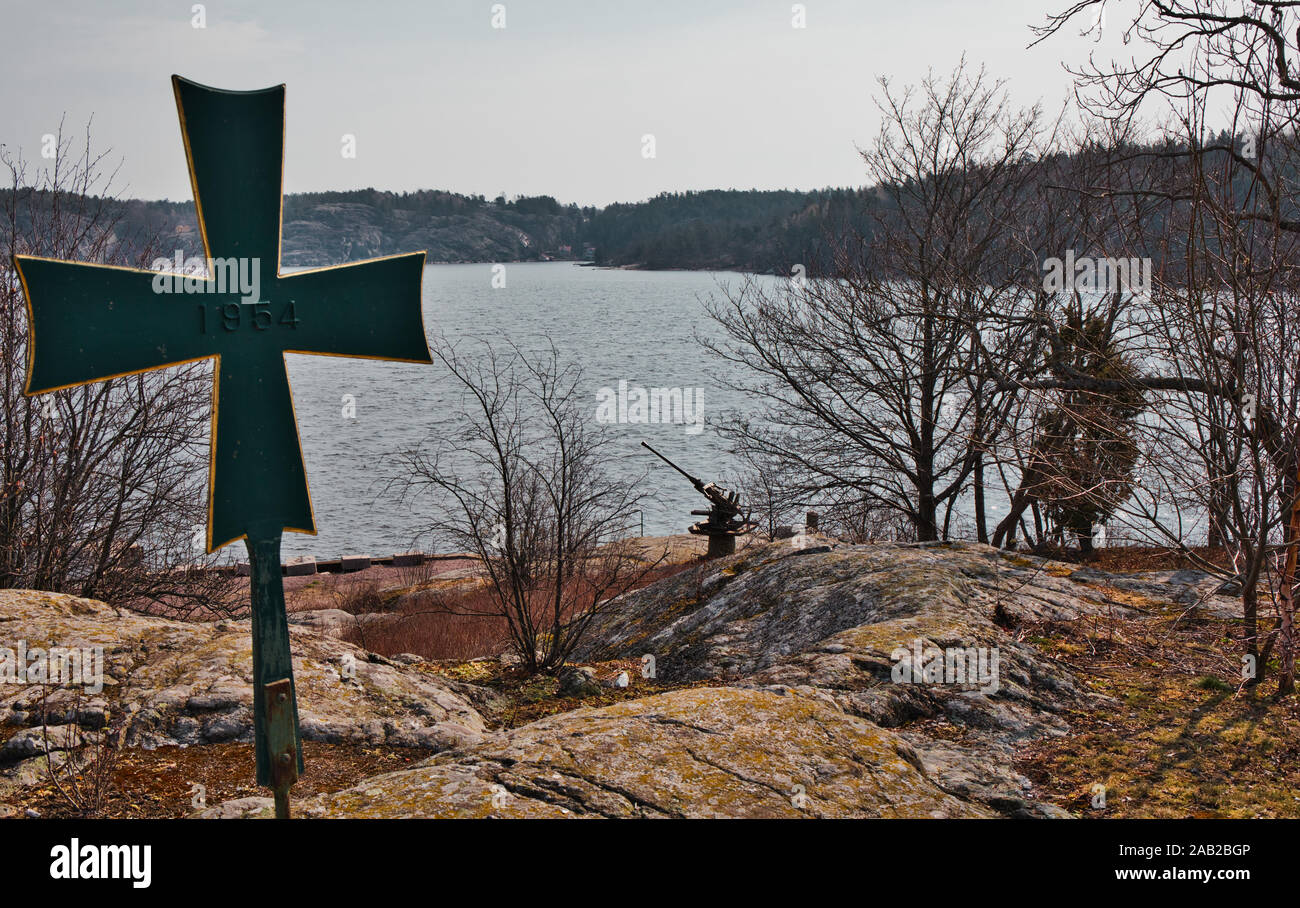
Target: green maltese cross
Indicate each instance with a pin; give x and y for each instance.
(89, 323)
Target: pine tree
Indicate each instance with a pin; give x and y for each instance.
(1084, 445)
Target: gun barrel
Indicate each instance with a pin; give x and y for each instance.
(695, 482)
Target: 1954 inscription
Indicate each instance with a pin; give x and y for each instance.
(259, 316)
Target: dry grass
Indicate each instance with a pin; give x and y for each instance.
(463, 624)
(163, 783)
(522, 699)
(1132, 558)
(456, 619)
(1180, 737)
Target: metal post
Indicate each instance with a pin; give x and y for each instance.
(282, 803)
(276, 738)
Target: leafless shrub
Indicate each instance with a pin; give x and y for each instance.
(524, 486)
(101, 486)
(81, 770)
(358, 597)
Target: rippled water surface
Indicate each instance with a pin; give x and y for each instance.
(618, 325)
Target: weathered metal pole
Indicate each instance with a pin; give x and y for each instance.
(276, 736)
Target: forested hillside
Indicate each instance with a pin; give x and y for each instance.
(719, 229)
(767, 231)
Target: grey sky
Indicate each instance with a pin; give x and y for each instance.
(556, 102)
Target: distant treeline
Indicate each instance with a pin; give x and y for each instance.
(766, 231)
(750, 230)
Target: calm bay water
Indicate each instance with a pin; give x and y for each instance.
(634, 326)
(640, 327)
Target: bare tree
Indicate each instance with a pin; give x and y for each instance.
(877, 381)
(1192, 48)
(762, 486)
(1225, 302)
(525, 487)
(101, 486)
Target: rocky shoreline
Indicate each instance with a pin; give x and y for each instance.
(785, 702)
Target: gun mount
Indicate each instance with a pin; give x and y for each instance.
(723, 519)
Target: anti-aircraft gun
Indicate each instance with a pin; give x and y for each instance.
(724, 521)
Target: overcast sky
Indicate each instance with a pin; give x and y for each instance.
(557, 102)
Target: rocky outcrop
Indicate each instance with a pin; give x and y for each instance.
(776, 603)
(814, 718)
(831, 621)
(701, 752)
(177, 683)
(335, 622)
(791, 701)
